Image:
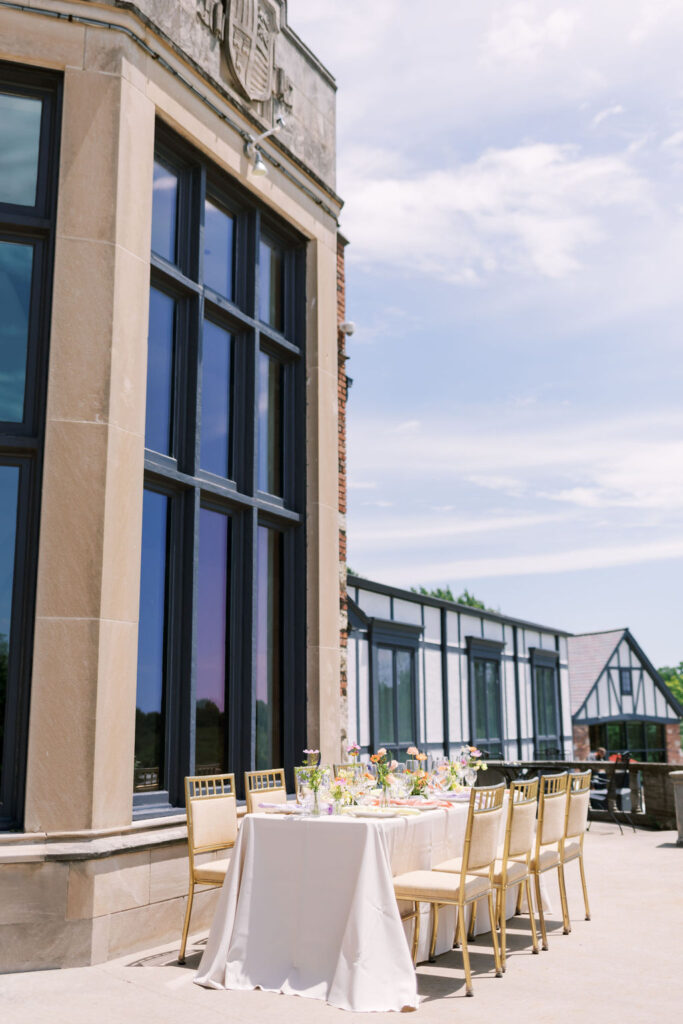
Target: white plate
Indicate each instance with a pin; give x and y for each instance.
(373, 812)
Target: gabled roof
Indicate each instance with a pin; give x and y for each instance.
(588, 655)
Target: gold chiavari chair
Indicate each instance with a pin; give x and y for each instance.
(348, 766)
(552, 807)
(211, 807)
(443, 888)
(576, 822)
(512, 867)
(267, 784)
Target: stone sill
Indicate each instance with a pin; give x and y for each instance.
(37, 847)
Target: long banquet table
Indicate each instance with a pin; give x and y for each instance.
(308, 907)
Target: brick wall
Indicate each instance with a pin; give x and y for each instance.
(342, 393)
(582, 745)
(672, 734)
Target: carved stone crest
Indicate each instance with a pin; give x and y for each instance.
(212, 14)
(251, 28)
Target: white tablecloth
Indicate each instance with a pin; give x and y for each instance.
(308, 907)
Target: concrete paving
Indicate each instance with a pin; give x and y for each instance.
(625, 965)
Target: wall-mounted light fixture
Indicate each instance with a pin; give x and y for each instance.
(251, 147)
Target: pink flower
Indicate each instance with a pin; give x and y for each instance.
(413, 751)
(393, 766)
(382, 751)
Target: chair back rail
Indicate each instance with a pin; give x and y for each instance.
(268, 783)
(552, 806)
(521, 819)
(483, 828)
(578, 799)
(211, 806)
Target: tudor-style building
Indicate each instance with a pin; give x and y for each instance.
(619, 701)
(438, 674)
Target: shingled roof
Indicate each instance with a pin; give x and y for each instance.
(588, 655)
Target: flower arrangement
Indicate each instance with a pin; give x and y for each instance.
(420, 780)
(353, 751)
(339, 790)
(416, 754)
(470, 757)
(384, 768)
(311, 773)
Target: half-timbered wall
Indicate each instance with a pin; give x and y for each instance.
(449, 634)
(606, 701)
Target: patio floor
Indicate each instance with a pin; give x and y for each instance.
(623, 966)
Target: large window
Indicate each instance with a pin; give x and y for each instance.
(547, 728)
(645, 741)
(486, 719)
(29, 111)
(393, 723)
(221, 684)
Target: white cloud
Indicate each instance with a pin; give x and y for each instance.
(532, 209)
(608, 112)
(422, 530)
(521, 33)
(530, 564)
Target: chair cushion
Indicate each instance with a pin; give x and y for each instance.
(547, 859)
(433, 886)
(516, 870)
(213, 871)
(571, 850)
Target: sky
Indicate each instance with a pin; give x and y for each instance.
(511, 173)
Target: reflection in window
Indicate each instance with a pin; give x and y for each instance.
(547, 718)
(160, 358)
(212, 590)
(487, 709)
(216, 384)
(625, 682)
(271, 284)
(19, 145)
(9, 492)
(270, 424)
(219, 240)
(149, 712)
(385, 693)
(268, 648)
(16, 265)
(164, 216)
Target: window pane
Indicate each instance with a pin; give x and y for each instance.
(625, 680)
(270, 425)
(404, 682)
(16, 266)
(160, 360)
(216, 378)
(615, 736)
(212, 607)
(219, 232)
(164, 211)
(385, 694)
(271, 281)
(479, 700)
(9, 491)
(19, 147)
(268, 649)
(149, 712)
(492, 700)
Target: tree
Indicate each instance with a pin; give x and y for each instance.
(446, 594)
(673, 677)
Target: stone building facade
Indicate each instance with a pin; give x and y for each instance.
(169, 445)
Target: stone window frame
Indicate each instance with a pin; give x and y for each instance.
(22, 444)
(190, 487)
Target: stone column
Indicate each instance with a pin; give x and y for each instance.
(322, 513)
(81, 732)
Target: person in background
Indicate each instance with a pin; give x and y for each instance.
(598, 755)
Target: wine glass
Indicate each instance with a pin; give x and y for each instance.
(470, 776)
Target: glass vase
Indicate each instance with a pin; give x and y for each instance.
(315, 808)
(384, 800)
